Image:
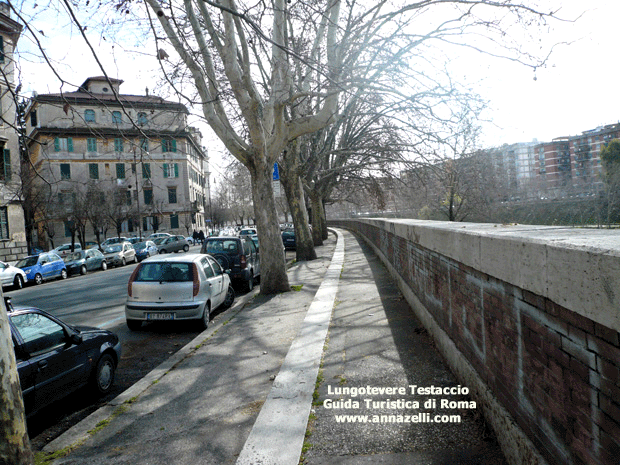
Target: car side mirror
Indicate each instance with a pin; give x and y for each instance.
(76, 338)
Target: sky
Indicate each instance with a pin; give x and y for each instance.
(575, 92)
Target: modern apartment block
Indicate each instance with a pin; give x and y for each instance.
(136, 149)
(571, 166)
(12, 226)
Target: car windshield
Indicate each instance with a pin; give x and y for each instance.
(165, 272)
(72, 256)
(114, 248)
(222, 246)
(288, 234)
(28, 261)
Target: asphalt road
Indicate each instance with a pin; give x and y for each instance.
(98, 299)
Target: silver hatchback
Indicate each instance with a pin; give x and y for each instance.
(177, 288)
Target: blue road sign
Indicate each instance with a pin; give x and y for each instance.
(276, 173)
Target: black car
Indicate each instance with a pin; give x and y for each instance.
(237, 254)
(288, 239)
(55, 359)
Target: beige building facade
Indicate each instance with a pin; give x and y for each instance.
(12, 226)
(134, 154)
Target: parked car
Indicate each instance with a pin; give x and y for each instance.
(39, 268)
(157, 236)
(237, 254)
(120, 254)
(85, 260)
(55, 359)
(173, 244)
(247, 232)
(190, 240)
(177, 288)
(91, 244)
(133, 240)
(288, 239)
(145, 249)
(12, 276)
(64, 249)
(113, 240)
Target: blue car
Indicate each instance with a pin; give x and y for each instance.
(39, 268)
(145, 249)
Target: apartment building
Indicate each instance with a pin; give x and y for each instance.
(136, 152)
(12, 225)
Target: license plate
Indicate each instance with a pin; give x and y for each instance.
(160, 316)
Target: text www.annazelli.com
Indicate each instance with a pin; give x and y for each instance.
(419, 418)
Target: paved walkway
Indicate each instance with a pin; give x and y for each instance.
(216, 401)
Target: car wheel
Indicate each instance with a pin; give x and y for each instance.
(249, 285)
(206, 316)
(38, 279)
(162, 251)
(18, 282)
(230, 297)
(123, 262)
(83, 270)
(104, 374)
(134, 325)
(104, 266)
(63, 274)
(147, 255)
(185, 248)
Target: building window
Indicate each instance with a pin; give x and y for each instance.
(91, 144)
(33, 118)
(65, 171)
(120, 171)
(146, 170)
(66, 198)
(117, 117)
(128, 197)
(118, 145)
(63, 144)
(168, 145)
(144, 144)
(148, 196)
(5, 168)
(174, 221)
(89, 116)
(4, 222)
(171, 170)
(93, 170)
(142, 119)
(172, 195)
(1, 49)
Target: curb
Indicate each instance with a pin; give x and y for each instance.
(80, 432)
(279, 431)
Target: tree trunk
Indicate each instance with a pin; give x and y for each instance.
(14, 442)
(273, 264)
(304, 245)
(317, 234)
(323, 220)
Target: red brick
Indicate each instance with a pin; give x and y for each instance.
(607, 334)
(610, 407)
(610, 389)
(533, 299)
(610, 445)
(577, 320)
(610, 426)
(608, 370)
(603, 348)
(580, 369)
(576, 334)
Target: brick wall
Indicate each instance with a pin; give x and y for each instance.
(551, 369)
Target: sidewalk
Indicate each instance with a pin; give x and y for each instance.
(241, 392)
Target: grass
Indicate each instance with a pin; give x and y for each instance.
(297, 287)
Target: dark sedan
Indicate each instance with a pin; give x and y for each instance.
(55, 359)
(288, 239)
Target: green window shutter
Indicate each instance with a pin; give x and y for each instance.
(94, 170)
(69, 144)
(56, 144)
(1, 49)
(173, 145)
(176, 170)
(148, 196)
(91, 143)
(146, 171)
(174, 221)
(65, 171)
(7, 165)
(166, 170)
(120, 171)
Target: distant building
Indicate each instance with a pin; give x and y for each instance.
(12, 226)
(136, 148)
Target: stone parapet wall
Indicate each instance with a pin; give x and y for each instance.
(528, 318)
